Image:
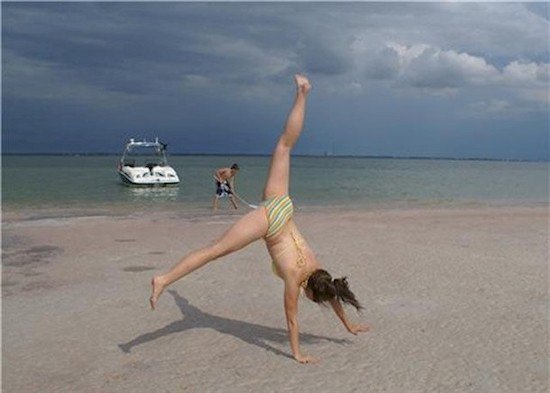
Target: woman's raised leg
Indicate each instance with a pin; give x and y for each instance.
(249, 228)
(279, 168)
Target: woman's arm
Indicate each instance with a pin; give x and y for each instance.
(339, 311)
(292, 291)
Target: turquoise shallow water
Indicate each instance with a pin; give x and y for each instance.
(92, 182)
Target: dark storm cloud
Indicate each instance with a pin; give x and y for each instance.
(143, 49)
(106, 68)
(137, 48)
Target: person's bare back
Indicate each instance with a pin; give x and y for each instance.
(223, 174)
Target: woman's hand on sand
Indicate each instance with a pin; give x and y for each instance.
(355, 329)
(305, 359)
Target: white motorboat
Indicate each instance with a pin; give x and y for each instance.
(145, 164)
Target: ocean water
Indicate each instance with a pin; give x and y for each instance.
(92, 182)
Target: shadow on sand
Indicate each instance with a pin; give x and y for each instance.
(250, 333)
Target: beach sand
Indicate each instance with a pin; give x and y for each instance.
(457, 299)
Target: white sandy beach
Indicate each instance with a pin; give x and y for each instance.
(457, 299)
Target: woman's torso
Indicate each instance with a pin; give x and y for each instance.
(292, 257)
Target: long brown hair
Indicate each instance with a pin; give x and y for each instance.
(324, 288)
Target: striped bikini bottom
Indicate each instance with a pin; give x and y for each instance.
(279, 210)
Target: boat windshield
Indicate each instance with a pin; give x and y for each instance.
(148, 156)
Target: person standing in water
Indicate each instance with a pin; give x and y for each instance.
(225, 184)
(292, 258)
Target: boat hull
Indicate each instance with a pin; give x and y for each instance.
(150, 182)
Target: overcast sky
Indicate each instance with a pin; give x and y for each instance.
(400, 79)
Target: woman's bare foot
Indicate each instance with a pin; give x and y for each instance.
(157, 285)
(302, 83)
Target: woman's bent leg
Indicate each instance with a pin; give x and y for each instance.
(249, 228)
(279, 168)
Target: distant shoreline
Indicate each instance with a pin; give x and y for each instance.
(295, 155)
(13, 215)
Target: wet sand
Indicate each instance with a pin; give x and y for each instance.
(457, 299)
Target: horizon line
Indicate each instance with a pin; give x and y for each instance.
(295, 155)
